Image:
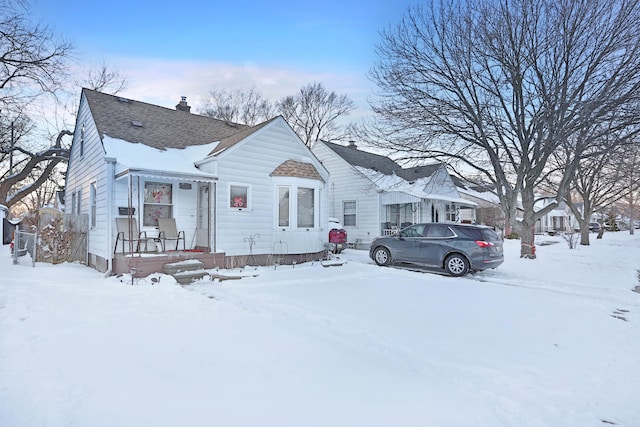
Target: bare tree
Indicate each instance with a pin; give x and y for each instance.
(631, 181)
(26, 170)
(33, 62)
(314, 111)
(104, 78)
(599, 182)
(249, 108)
(498, 87)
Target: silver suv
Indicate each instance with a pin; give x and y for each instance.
(455, 248)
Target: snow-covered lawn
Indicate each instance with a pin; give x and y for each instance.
(549, 342)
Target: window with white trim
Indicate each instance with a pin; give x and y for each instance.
(451, 213)
(158, 202)
(239, 196)
(92, 203)
(82, 140)
(283, 206)
(306, 207)
(349, 213)
(74, 203)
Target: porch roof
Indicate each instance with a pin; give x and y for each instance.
(165, 175)
(143, 160)
(409, 192)
(395, 197)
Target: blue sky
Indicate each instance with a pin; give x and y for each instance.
(186, 48)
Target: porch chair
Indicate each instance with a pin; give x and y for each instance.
(128, 232)
(169, 231)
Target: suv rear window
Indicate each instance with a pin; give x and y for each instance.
(477, 233)
(469, 233)
(489, 235)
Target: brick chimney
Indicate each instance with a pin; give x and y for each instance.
(352, 144)
(183, 106)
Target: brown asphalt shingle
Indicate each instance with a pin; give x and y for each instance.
(160, 127)
(297, 169)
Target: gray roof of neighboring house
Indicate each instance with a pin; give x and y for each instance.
(155, 126)
(365, 159)
(379, 163)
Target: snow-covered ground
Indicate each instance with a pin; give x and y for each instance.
(549, 342)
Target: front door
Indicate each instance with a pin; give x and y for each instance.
(204, 216)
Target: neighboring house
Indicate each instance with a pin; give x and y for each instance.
(557, 221)
(488, 212)
(234, 190)
(373, 195)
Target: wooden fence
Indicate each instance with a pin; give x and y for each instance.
(62, 237)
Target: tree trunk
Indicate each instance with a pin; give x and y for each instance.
(527, 241)
(584, 234)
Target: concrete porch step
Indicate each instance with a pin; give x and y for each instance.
(186, 265)
(187, 277)
(186, 271)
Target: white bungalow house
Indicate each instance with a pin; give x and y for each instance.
(557, 221)
(234, 190)
(373, 195)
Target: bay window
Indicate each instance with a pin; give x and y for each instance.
(306, 207)
(283, 206)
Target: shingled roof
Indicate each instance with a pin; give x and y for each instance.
(152, 125)
(381, 164)
(365, 159)
(297, 169)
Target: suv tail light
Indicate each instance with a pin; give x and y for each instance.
(484, 244)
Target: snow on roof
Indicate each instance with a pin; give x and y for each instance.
(414, 188)
(141, 156)
(483, 195)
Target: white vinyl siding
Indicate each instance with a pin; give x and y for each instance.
(349, 185)
(251, 163)
(86, 166)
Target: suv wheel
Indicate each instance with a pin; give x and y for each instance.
(456, 265)
(382, 256)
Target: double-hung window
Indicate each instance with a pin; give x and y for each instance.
(92, 202)
(158, 202)
(349, 213)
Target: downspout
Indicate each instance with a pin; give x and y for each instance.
(110, 181)
(139, 218)
(129, 214)
(214, 221)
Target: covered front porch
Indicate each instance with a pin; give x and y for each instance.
(151, 196)
(400, 210)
